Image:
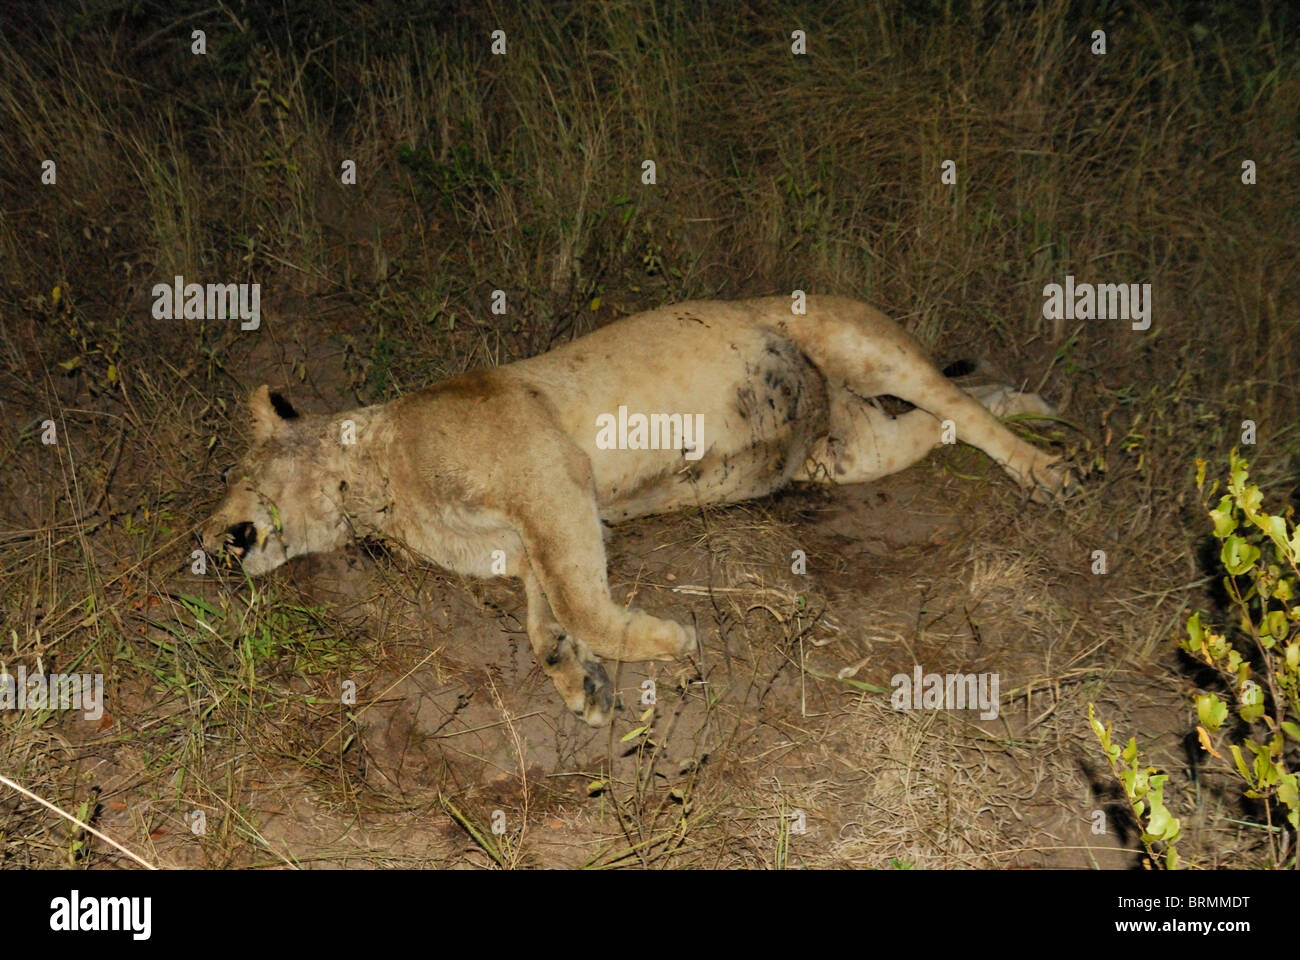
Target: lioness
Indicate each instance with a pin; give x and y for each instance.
(510, 469)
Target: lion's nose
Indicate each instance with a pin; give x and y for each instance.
(238, 538)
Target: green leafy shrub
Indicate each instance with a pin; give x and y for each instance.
(1145, 788)
(1261, 554)
(1258, 659)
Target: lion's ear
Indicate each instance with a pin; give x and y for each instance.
(270, 413)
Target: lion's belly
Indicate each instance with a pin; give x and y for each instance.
(759, 403)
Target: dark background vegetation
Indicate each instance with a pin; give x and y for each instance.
(522, 172)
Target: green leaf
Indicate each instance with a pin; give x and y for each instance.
(1224, 517)
(1102, 733)
(1275, 527)
(1211, 710)
(1238, 556)
(1266, 772)
(1161, 825)
(1241, 764)
(1131, 751)
(1237, 475)
(1275, 624)
(1251, 707)
(1195, 634)
(1251, 712)
(1293, 547)
(634, 733)
(1288, 791)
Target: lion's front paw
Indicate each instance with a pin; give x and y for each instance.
(580, 678)
(597, 694)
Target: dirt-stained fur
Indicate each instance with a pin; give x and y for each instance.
(499, 471)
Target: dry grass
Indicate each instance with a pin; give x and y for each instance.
(522, 173)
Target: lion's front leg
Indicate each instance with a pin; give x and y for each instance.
(573, 620)
(577, 673)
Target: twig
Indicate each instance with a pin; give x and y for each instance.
(84, 826)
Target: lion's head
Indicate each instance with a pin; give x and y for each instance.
(284, 498)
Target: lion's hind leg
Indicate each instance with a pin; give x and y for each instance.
(1044, 476)
(862, 352)
(865, 443)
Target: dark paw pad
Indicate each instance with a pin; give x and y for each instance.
(599, 691)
